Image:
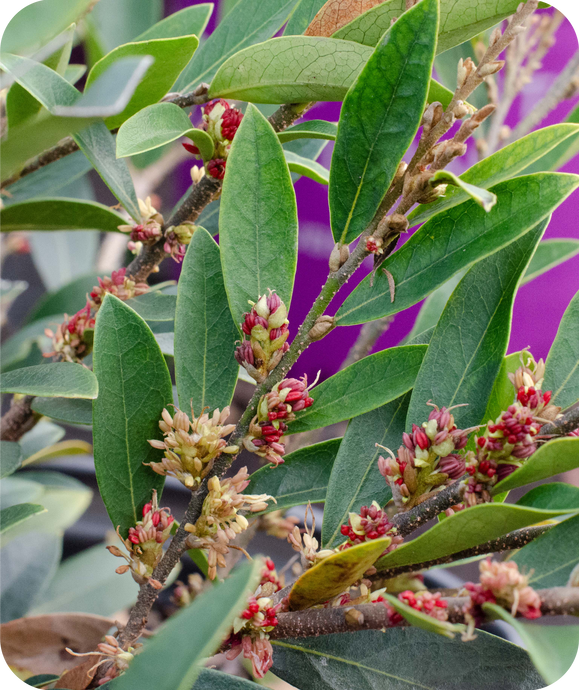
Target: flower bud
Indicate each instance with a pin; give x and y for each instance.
(323, 325)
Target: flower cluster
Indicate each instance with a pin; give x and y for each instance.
(192, 446)
(511, 439)
(426, 460)
(221, 122)
(264, 437)
(371, 523)
(429, 603)
(119, 285)
(306, 544)
(149, 230)
(221, 517)
(277, 524)
(177, 238)
(145, 543)
(270, 581)
(267, 327)
(71, 340)
(111, 651)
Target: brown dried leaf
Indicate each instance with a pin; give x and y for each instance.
(337, 13)
(79, 677)
(38, 644)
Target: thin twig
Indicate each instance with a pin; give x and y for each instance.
(411, 520)
(18, 420)
(369, 334)
(567, 423)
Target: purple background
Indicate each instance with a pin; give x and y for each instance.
(539, 305)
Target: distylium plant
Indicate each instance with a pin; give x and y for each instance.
(407, 461)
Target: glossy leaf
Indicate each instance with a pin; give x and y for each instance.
(558, 456)
(291, 69)
(401, 659)
(552, 556)
(503, 392)
(472, 357)
(303, 477)
(10, 458)
(154, 306)
(482, 196)
(135, 386)
(432, 308)
(361, 387)
(562, 365)
(462, 530)
(500, 166)
(64, 409)
(307, 167)
(334, 574)
(312, 129)
(170, 55)
(453, 240)
(356, 480)
(249, 22)
(191, 20)
(379, 120)
(14, 515)
(423, 620)
(302, 16)
(191, 635)
(258, 226)
(60, 379)
(556, 495)
(205, 335)
(550, 253)
(552, 648)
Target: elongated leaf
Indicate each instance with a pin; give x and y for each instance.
(482, 196)
(462, 530)
(472, 357)
(556, 495)
(356, 480)
(64, 409)
(10, 458)
(502, 165)
(313, 129)
(209, 679)
(205, 334)
(423, 620)
(432, 309)
(552, 557)
(191, 635)
(59, 214)
(303, 477)
(59, 450)
(334, 574)
(453, 240)
(258, 227)
(191, 20)
(558, 456)
(380, 117)
(307, 167)
(250, 22)
(170, 55)
(556, 158)
(134, 387)
(154, 306)
(552, 648)
(403, 659)
(550, 253)
(503, 392)
(41, 679)
(302, 16)
(52, 381)
(562, 366)
(14, 515)
(361, 387)
(43, 434)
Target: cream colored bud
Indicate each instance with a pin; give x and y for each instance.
(335, 258)
(323, 325)
(279, 317)
(261, 307)
(242, 522)
(460, 110)
(214, 485)
(495, 36)
(354, 617)
(491, 68)
(197, 173)
(167, 417)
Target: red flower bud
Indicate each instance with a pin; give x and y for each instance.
(216, 168)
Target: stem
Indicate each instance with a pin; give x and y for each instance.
(567, 423)
(369, 334)
(19, 419)
(411, 520)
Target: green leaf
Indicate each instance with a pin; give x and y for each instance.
(471, 357)
(154, 306)
(555, 457)
(59, 214)
(191, 20)
(552, 556)
(550, 253)
(308, 168)
(199, 557)
(403, 659)
(361, 387)
(562, 366)
(356, 480)
(171, 55)
(250, 22)
(379, 120)
(503, 392)
(303, 476)
(482, 197)
(43, 434)
(135, 386)
(432, 309)
(60, 379)
(191, 635)
(41, 679)
(562, 153)
(10, 458)
(22, 349)
(258, 225)
(156, 126)
(334, 574)
(556, 495)
(552, 648)
(68, 299)
(302, 16)
(453, 240)
(424, 621)
(510, 161)
(64, 409)
(312, 129)
(205, 335)
(463, 530)
(101, 590)
(209, 679)
(14, 515)
(28, 564)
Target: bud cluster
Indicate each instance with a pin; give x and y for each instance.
(111, 651)
(119, 285)
(429, 603)
(177, 238)
(69, 341)
(270, 582)
(267, 327)
(221, 517)
(426, 460)
(306, 544)
(192, 446)
(371, 523)
(149, 230)
(145, 543)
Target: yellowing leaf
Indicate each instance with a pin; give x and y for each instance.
(423, 620)
(337, 13)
